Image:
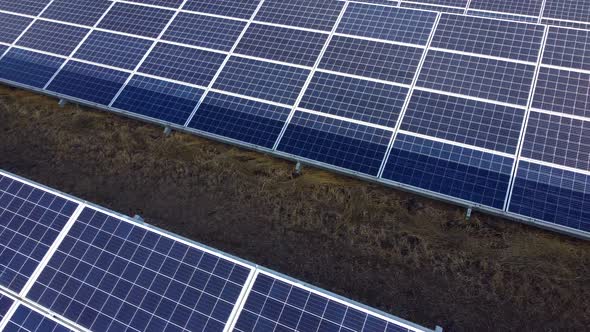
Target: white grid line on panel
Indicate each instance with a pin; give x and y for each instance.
(342, 118)
(9, 314)
(562, 115)
(384, 41)
(233, 94)
(485, 56)
(502, 13)
(453, 94)
(400, 118)
(542, 12)
(310, 76)
(430, 4)
(467, 7)
(558, 166)
(233, 318)
(376, 80)
(225, 61)
(525, 122)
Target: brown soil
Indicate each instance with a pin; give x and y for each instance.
(410, 256)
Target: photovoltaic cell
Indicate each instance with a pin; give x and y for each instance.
(30, 221)
(568, 24)
(476, 123)
(182, 63)
(311, 14)
(278, 305)
(29, 68)
(354, 98)
(388, 23)
(233, 8)
(113, 49)
(161, 3)
(455, 3)
(477, 77)
(204, 31)
(136, 19)
(26, 319)
(521, 7)
(563, 91)
(575, 10)
(512, 40)
(558, 140)
(553, 195)
(109, 274)
(450, 170)
(158, 99)
(12, 27)
(84, 12)
(282, 44)
(5, 304)
(28, 7)
(433, 8)
(339, 143)
(269, 81)
(395, 63)
(503, 16)
(240, 119)
(88, 82)
(53, 37)
(567, 48)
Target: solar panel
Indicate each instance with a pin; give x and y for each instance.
(310, 14)
(28, 7)
(84, 12)
(137, 20)
(522, 7)
(13, 26)
(232, 8)
(112, 49)
(575, 10)
(563, 91)
(567, 48)
(5, 304)
(28, 67)
(52, 37)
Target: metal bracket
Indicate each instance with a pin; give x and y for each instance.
(62, 103)
(438, 329)
(468, 214)
(167, 131)
(298, 169)
(138, 219)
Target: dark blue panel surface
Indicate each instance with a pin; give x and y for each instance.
(311, 14)
(521, 7)
(88, 82)
(455, 3)
(274, 82)
(558, 140)
(282, 44)
(486, 125)
(233, 8)
(567, 48)
(30, 221)
(513, 40)
(568, 24)
(372, 59)
(113, 49)
(29, 7)
(205, 31)
(563, 91)
(182, 63)
(53, 37)
(241, 119)
(28, 67)
(136, 19)
(433, 8)
(450, 170)
(161, 3)
(552, 195)
(5, 304)
(276, 305)
(503, 16)
(354, 98)
(110, 274)
(158, 99)
(12, 27)
(26, 319)
(390, 23)
(477, 77)
(340, 143)
(85, 12)
(576, 10)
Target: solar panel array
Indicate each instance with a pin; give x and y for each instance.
(483, 103)
(106, 272)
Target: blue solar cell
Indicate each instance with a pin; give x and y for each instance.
(354, 98)
(204, 31)
(512, 40)
(502, 16)
(390, 23)
(30, 221)
(282, 44)
(568, 24)
(232, 8)
(576, 10)
(29, 7)
(477, 77)
(454, 3)
(310, 14)
(451, 170)
(277, 305)
(485, 125)
(395, 63)
(5, 304)
(273, 82)
(567, 48)
(113, 49)
(136, 19)
(88, 82)
(563, 91)
(12, 27)
(53, 37)
(161, 3)
(240, 119)
(183, 64)
(521, 7)
(109, 274)
(434, 8)
(158, 99)
(343, 144)
(558, 140)
(28, 67)
(85, 12)
(26, 319)
(553, 195)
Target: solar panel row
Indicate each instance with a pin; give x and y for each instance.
(109, 273)
(346, 85)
